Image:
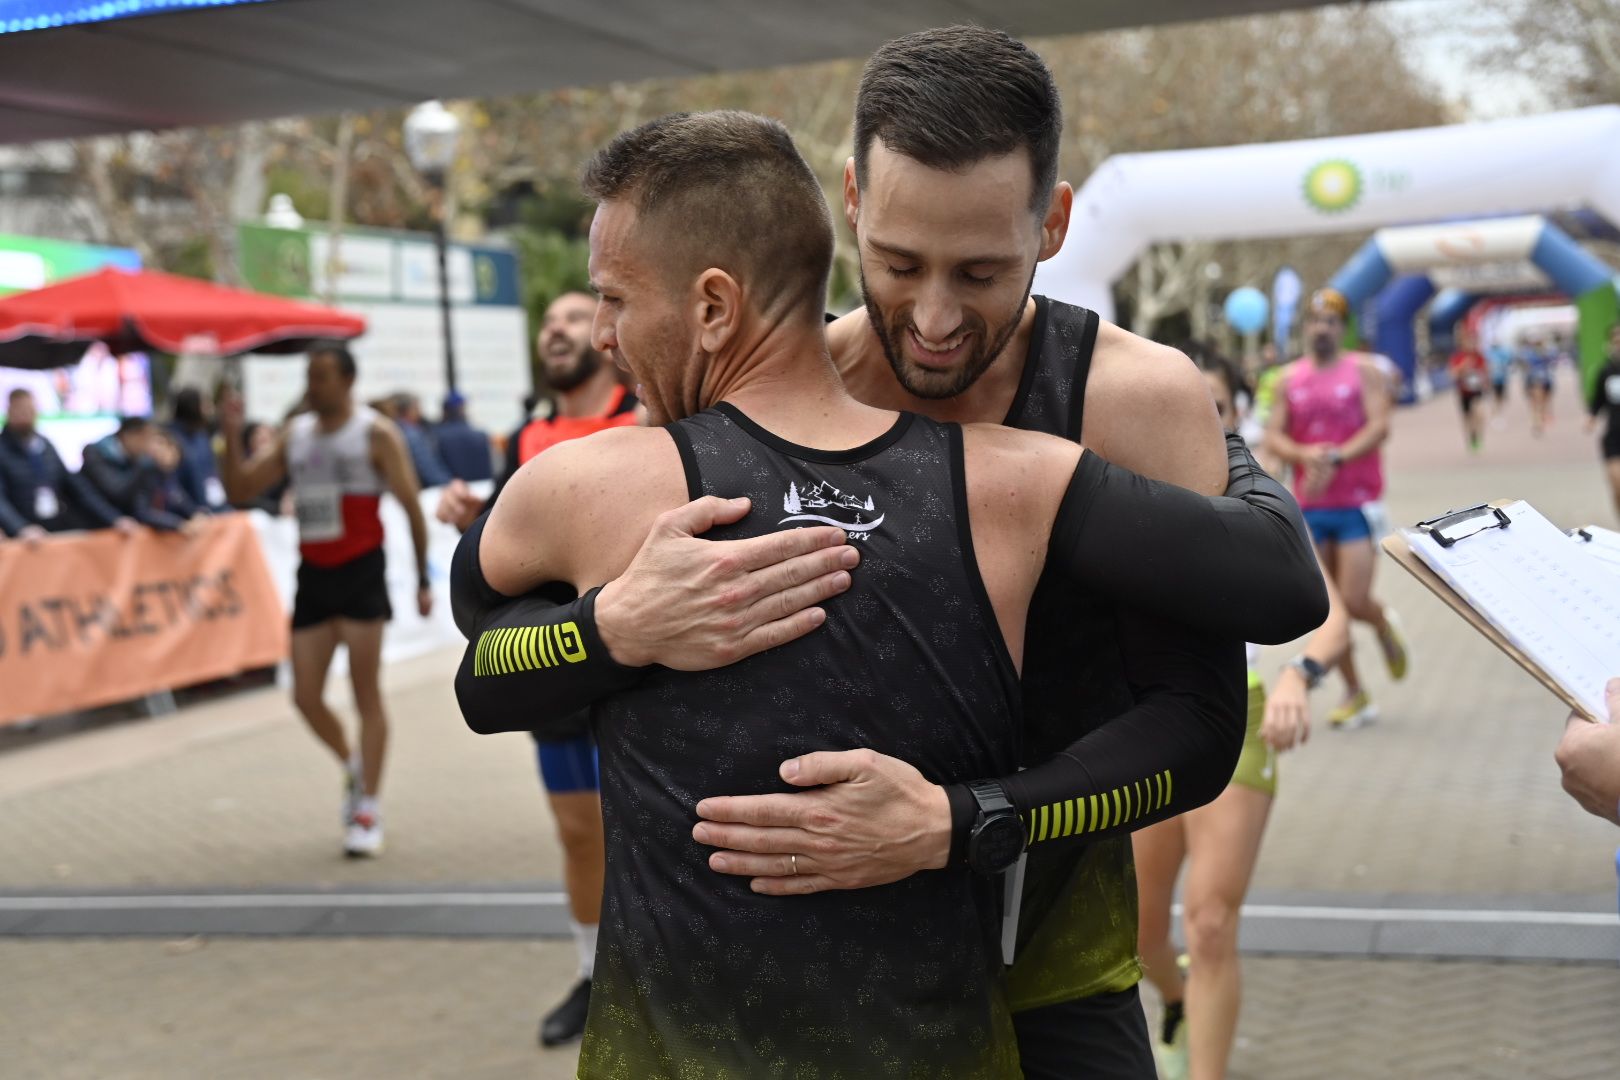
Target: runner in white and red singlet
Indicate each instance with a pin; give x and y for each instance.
(339, 457)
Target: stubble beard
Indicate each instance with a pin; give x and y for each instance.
(588, 364)
(928, 385)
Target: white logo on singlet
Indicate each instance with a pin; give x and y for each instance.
(826, 504)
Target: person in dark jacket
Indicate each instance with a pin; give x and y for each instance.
(123, 469)
(38, 495)
(463, 448)
(430, 470)
(197, 473)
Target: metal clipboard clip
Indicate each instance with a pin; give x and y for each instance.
(1582, 535)
(1457, 525)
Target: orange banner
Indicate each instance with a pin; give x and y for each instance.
(93, 618)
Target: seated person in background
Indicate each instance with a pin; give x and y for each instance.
(37, 493)
(464, 449)
(430, 470)
(197, 473)
(171, 494)
(124, 471)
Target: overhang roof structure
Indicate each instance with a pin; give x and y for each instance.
(255, 60)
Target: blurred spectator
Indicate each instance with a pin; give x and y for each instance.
(37, 493)
(171, 495)
(197, 473)
(430, 470)
(276, 500)
(124, 470)
(463, 448)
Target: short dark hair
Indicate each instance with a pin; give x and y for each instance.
(188, 406)
(339, 352)
(951, 97)
(131, 425)
(17, 394)
(729, 190)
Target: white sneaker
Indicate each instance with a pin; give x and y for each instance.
(363, 839)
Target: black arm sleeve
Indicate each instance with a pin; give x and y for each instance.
(1173, 751)
(1238, 565)
(533, 662)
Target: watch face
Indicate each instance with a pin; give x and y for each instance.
(997, 843)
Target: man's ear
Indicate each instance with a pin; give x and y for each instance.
(718, 300)
(852, 195)
(1055, 225)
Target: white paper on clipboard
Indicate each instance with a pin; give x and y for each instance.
(1600, 544)
(1542, 593)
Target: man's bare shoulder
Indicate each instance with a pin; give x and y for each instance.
(1149, 409)
(1017, 469)
(582, 507)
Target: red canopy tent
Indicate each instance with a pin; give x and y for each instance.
(144, 310)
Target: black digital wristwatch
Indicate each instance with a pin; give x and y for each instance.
(997, 837)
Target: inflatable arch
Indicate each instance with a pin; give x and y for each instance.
(1355, 182)
(1570, 268)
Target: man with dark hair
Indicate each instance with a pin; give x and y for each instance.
(125, 470)
(695, 973)
(339, 458)
(948, 253)
(198, 472)
(37, 493)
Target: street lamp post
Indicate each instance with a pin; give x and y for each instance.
(431, 136)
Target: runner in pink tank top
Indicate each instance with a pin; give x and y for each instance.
(1329, 424)
(1326, 408)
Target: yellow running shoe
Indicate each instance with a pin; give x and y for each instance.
(1355, 711)
(1393, 643)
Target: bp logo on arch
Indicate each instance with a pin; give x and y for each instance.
(1333, 186)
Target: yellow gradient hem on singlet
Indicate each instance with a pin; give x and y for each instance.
(1123, 976)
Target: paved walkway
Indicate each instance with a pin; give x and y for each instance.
(1450, 803)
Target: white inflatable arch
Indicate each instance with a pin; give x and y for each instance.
(1357, 182)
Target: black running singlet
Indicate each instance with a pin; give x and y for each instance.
(695, 974)
(1077, 927)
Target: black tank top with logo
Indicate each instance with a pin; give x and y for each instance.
(695, 974)
(1077, 925)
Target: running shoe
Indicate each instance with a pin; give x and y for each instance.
(1170, 1053)
(1355, 711)
(1393, 643)
(566, 1022)
(363, 839)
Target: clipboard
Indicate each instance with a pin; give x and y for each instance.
(1466, 523)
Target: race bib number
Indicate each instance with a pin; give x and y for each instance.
(1473, 382)
(214, 491)
(320, 513)
(45, 505)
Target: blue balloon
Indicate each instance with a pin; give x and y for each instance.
(1246, 309)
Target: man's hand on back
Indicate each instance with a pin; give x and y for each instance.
(876, 821)
(693, 604)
